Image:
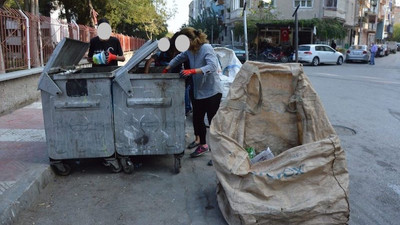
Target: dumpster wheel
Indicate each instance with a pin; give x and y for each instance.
(127, 165)
(114, 165)
(60, 168)
(177, 162)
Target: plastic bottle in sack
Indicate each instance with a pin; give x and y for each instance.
(264, 155)
(251, 152)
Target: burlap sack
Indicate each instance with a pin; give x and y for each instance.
(307, 182)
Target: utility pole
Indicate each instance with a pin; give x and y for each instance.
(361, 3)
(296, 38)
(246, 48)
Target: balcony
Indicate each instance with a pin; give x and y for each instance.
(371, 16)
(334, 13)
(371, 28)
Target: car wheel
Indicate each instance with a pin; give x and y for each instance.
(340, 60)
(315, 61)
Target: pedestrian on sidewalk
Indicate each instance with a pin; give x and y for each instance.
(110, 46)
(373, 50)
(333, 44)
(207, 88)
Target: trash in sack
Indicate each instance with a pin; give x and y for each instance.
(306, 182)
(230, 66)
(264, 155)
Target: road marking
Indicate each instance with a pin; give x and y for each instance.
(395, 188)
(22, 135)
(329, 74)
(371, 79)
(4, 185)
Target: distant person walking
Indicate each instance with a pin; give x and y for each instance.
(373, 50)
(333, 44)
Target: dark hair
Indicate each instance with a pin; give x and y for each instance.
(102, 20)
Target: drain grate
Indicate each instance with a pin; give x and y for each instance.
(343, 130)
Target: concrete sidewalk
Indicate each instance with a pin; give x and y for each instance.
(24, 163)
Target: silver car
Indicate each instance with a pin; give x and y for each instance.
(358, 53)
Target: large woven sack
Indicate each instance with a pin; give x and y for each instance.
(307, 181)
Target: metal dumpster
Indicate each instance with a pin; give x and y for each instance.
(77, 108)
(149, 112)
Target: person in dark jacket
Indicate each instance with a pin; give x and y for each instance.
(333, 44)
(110, 46)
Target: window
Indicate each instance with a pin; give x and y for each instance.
(241, 3)
(330, 3)
(303, 3)
(319, 48)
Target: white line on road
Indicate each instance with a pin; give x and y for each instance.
(22, 135)
(4, 185)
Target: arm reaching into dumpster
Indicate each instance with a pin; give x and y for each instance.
(105, 50)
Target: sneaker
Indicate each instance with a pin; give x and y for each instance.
(193, 144)
(199, 151)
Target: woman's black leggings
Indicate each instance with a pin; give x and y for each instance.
(200, 108)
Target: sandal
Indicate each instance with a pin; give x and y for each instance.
(193, 145)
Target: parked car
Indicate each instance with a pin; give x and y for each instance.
(239, 52)
(316, 54)
(392, 46)
(358, 53)
(385, 49)
(379, 52)
(398, 46)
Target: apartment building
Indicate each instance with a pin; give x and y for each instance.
(343, 10)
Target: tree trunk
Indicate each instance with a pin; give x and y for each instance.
(2, 2)
(2, 66)
(92, 19)
(27, 5)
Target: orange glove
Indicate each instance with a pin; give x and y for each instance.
(165, 70)
(188, 72)
(111, 57)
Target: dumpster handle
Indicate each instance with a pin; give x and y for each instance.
(69, 105)
(151, 102)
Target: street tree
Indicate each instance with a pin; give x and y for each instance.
(208, 22)
(264, 13)
(396, 32)
(144, 17)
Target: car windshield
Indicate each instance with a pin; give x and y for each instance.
(304, 48)
(235, 47)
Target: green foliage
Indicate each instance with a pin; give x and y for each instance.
(396, 32)
(207, 22)
(260, 15)
(142, 18)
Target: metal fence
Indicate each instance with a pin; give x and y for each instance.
(27, 40)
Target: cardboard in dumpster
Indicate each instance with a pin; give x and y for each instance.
(307, 181)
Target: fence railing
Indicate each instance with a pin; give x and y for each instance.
(27, 40)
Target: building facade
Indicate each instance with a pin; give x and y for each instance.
(366, 21)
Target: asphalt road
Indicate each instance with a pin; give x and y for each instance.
(362, 102)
